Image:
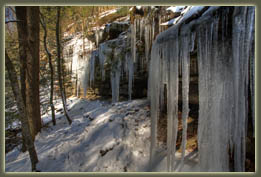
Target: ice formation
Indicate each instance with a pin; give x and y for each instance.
(115, 80)
(97, 37)
(77, 60)
(82, 63)
(92, 66)
(85, 77)
(89, 71)
(224, 38)
(187, 44)
(148, 39)
(133, 40)
(105, 53)
(130, 72)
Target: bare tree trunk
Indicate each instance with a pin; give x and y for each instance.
(22, 33)
(59, 65)
(32, 74)
(51, 70)
(22, 111)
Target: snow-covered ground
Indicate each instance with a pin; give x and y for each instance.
(103, 137)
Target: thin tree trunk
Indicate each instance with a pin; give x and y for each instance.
(63, 79)
(59, 65)
(51, 70)
(22, 111)
(22, 33)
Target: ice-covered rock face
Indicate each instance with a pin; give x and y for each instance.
(224, 37)
(133, 38)
(109, 31)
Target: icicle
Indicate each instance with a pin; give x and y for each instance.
(104, 54)
(147, 41)
(224, 93)
(153, 28)
(97, 37)
(173, 101)
(115, 80)
(126, 65)
(250, 31)
(102, 59)
(92, 66)
(223, 96)
(154, 100)
(192, 41)
(213, 143)
(242, 42)
(252, 74)
(159, 23)
(241, 46)
(185, 60)
(133, 40)
(149, 82)
(129, 62)
(141, 28)
(85, 77)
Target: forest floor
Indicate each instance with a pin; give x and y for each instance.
(103, 137)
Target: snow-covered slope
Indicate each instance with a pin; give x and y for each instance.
(102, 137)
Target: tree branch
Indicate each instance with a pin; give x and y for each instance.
(11, 21)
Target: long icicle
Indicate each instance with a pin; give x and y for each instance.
(185, 59)
(154, 101)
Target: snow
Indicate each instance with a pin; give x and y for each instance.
(102, 137)
(106, 13)
(138, 7)
(47, 117)
(175, 9)
(185, 14)
(170, 22)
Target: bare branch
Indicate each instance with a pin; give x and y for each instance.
(12, 21)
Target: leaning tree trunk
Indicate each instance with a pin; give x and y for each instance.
(22, 112)
(51, 70)
(22, 33)
(59, 65)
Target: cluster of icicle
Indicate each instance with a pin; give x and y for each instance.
(142, 26)
(225, 48)
(146, 26)
(120, 59)
(77, 59)
(89, 71)
(107, 54)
